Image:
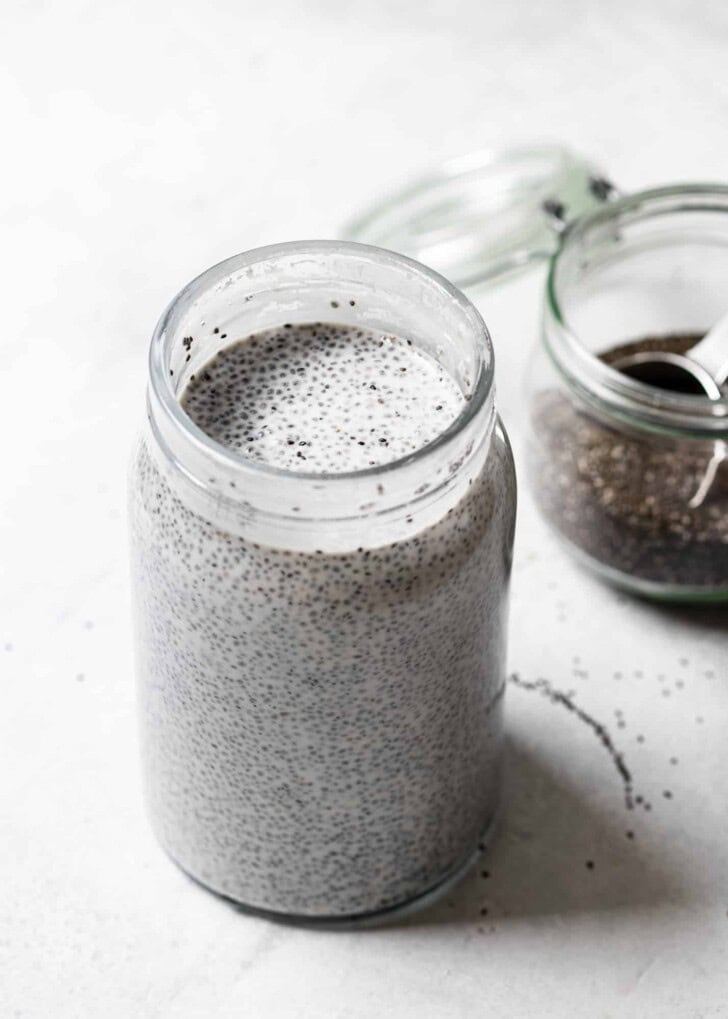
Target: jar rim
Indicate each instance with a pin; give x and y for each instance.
(615, 392)
(164, 396)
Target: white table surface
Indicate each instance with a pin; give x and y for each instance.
(141, 143)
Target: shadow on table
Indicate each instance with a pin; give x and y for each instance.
(703, 617)
(556, 853)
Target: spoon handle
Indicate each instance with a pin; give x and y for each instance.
(719, 455)
(711, 352)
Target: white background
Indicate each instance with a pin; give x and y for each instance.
(142, 142)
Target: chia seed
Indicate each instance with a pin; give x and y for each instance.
(622, 496)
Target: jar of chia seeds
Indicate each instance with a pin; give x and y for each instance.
(322, 516)
(633, 477)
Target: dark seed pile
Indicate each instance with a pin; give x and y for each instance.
(323, 397)
(322, 733)
(622, 497)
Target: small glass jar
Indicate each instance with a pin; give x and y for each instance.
(634, 478)
(320, 657)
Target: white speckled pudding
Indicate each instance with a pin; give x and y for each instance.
(323, 397)
(321, 704)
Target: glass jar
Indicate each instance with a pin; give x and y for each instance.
(321, 656)
(634, 478)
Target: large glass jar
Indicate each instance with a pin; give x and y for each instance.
(321, 656)
(634, 478)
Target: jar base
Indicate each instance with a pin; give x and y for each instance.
(651, 590)
(376, 918)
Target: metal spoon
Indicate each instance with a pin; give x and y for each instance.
(711, 352)
(703, 370)
(665, 370)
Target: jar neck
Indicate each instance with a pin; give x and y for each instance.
(307, 282)
(652, 263)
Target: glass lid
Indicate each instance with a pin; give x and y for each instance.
(485, 214)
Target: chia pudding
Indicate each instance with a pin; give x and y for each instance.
(322, 718)
(323, 397)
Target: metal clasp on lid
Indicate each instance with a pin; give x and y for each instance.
(486, 215)
(556, 212)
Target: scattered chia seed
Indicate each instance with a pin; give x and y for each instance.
(544, 687)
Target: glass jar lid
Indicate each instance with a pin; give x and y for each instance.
(486, 214)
